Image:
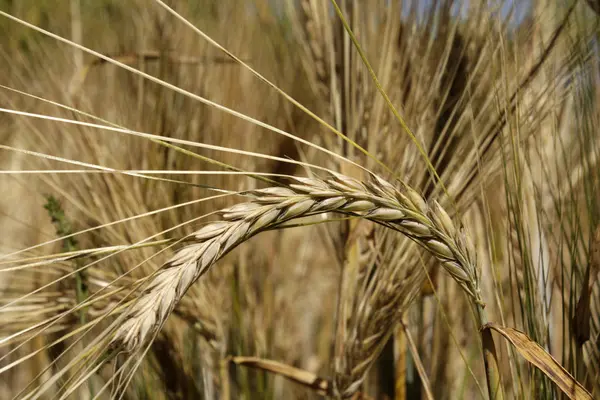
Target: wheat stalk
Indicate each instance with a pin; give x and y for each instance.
(402, 210)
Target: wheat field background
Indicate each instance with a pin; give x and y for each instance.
(299, 199)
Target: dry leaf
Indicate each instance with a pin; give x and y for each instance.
(537, 356)
(297, 375)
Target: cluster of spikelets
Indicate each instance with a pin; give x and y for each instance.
(378, 201)
(338, 305)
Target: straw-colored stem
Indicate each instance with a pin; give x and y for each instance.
(490, 358)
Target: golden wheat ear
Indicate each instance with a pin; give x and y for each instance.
(378, 201)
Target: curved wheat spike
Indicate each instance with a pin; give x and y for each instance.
(402, 210)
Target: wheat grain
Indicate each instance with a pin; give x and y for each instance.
(377, 200)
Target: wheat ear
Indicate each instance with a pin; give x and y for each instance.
(403, 210)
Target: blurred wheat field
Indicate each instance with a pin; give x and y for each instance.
(299, 199)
